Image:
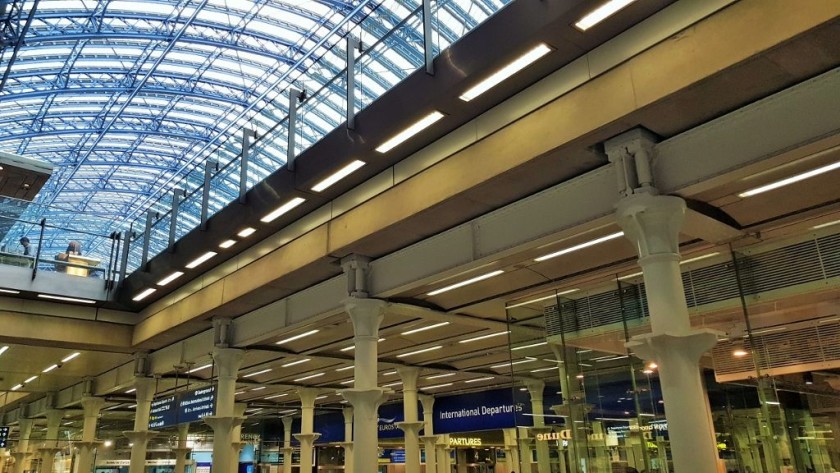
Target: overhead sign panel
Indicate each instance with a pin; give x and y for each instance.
(183, 407)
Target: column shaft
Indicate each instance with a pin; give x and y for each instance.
(429, 438)
(181, 452)
(348, 439)
(307, 436)
(92, 406)
(139, 437)
(228, 361)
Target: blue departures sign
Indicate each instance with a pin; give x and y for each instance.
(4, 436)
(187, 406)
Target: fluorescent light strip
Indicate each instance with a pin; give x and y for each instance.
(353, 347)
(581, 246)
(70, 357)
(338, 175)
(3, 349)
(311, 376)
(538, 370)
(437, 386)
(206, 256)
(345, 368)
(257, 373)
(227, 244)
(30, 379)
(297, 337)
(389, 373)
(477, 380)
(66, 299)
(690, 260)
(505, 365)
(410, 131)
(293, 363)
(275, 396)
(9, 291)
(349, 381)
(391, 385)
(203, 367)
(170, 278)
(505, 72)
(815, 227)
(16, 387)
(553, 296)
(790, 180)
(465, 283)
(423, 329)
(532, 345)
(445, 375)
(144, 294)
(322, 397)
(601, 13)
(259, 388)
(131, 390)
(287, 207)
(49, 368)
(484, 337)
(417, 352)
(246, 232)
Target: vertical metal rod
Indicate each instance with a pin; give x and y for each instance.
(428, 41)
(210, 167)
(244, 161)
(294, 96)
(352, 45)
(147, 234)
(173, 222)
(126, 249)
(111, 260)
(38, 250)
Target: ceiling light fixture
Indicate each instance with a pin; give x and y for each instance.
(311, 376)
(581, 246)
(49, 368)
(532, 345)
(389, 373)
(287, 207)
(539, 370)
(465, 283)
(70, 357)
(417, 352)
(790, 180)
(227, 244)
(259, 388)
(338, 175)
(444, 375)
(410, 131)
(206, 256)
(484, 337)
(540, 299)
(16, 387)
(476, 380)
(144, 294)
(202, 367)
(601, 13)
(824, 225)
(511, 363)
(257, 373)
(66, 299)
(9, 291)
(297, 337)
(437, 386)
(131, 390)
(170, 278)
(391, 385)
(739, 353)
(423, 329)
(275, 396)
(246, 232)
(505, 72)
(345, 368)
(690, 260)
(293, 363)
(3, 349)
(349, 381)
(30, 379)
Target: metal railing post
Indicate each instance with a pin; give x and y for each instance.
(294, 96)
(210, 167)
(126, 249)
(38, 250)
(428, 41)
(147, 234)
(173, 221)
(245, 159)
(352, 45)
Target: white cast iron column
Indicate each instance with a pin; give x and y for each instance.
(307, 435)
(228, 361)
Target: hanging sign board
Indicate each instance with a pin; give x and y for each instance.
(183, 407)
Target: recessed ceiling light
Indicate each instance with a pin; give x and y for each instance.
(296, 362)
(436, 386)
(9, 291)
(255, 373)
(349, 381)
(131, 390)
(389, 373)
(531, 345)
(581, 246)
(417, 352)
(444, 375)
(66, 299)
(70, 357)
(465, 283)
(824, 225)
(49, 368)
(30, 379)
(143, 294)
(259, 388)
(539, 370)
(601, 13)
(297, 337)
(484, 337)
(227, 243)
(790, 180)
(170, 278)
(16, 387)
(508, 70)
(345, 368)
(511, 363)
(206, 256)
(423, 329)
(410, 131)
(287, 207)
(311, 376)
(391, 385)
(476, 380)
(540, 299)
(246, 232)
(3, 349)
(199, 368)
(338, 175)
(275, 396)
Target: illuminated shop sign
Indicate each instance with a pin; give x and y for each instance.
(187, 406)
(647, 431)
(465, 441)
(566, 434)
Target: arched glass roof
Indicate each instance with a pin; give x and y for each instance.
(129, 98)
